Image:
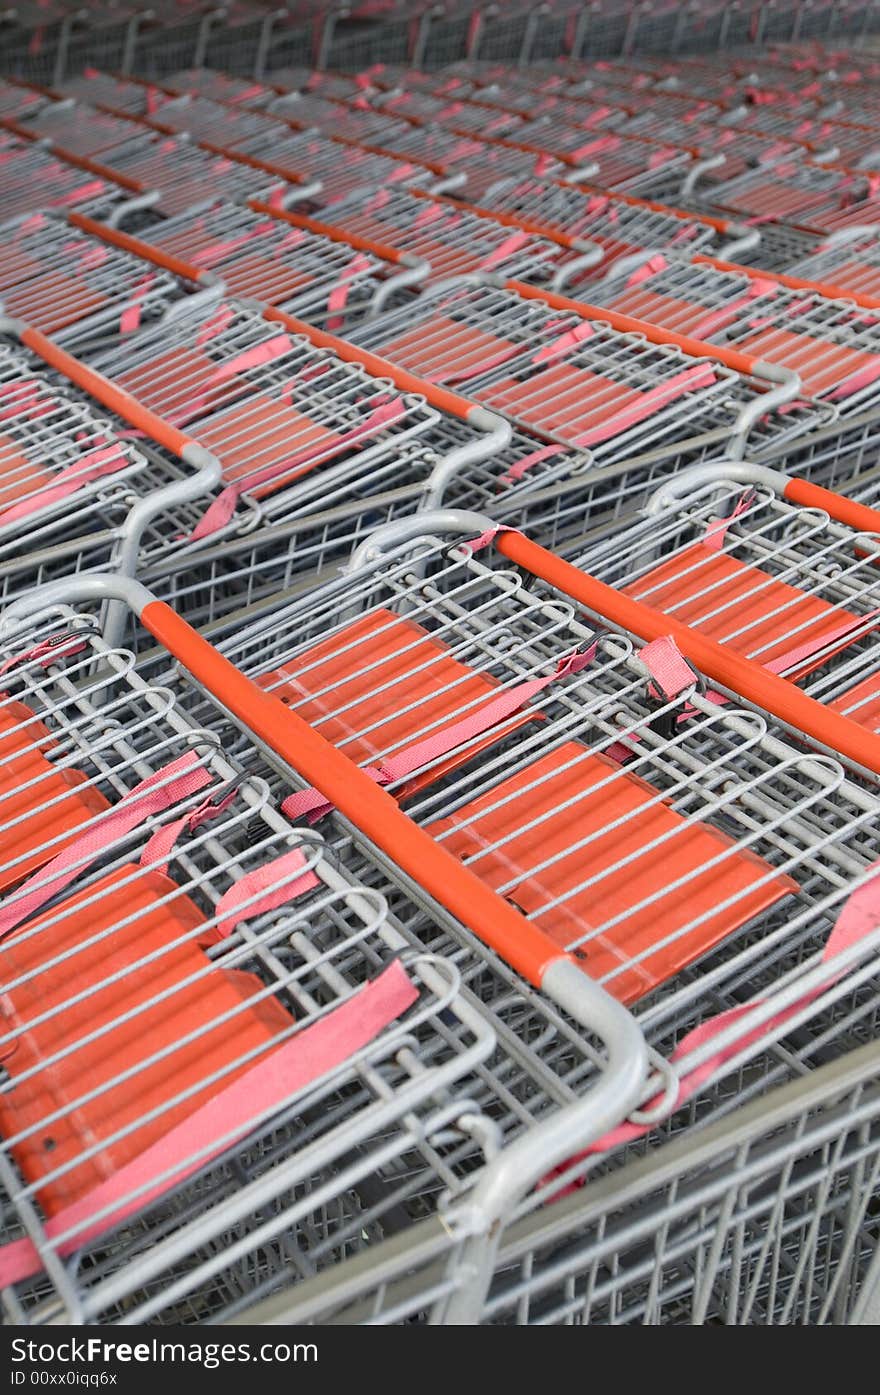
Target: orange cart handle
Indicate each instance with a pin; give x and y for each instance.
(102, 390)
(695, 348)
(352, 240)
(127, 243)
(507, 220)
(441, 398)
(716, 661)
(526, 948)
(812, 496)
(238, 158)
(795, 283)
(81, 162)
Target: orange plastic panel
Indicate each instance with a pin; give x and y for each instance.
(685, 851)
(442, 347)
(862, 703)
(645, 304)
(21, 799)
(562, 396)
(388, 665)
(823, 366)
(194, 1007)
(19, 476)
(261, 433)
(775, 617)
(52, 300)
(157, 384)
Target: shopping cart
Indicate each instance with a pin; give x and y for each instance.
(313, 270)
(224, 1064)
(220, 87)
(849, 259)
(829, 343)
(105, 90)
(454, 237)
(313, 442)
(17, 101)
(341, 169)
(499, 720)
(82, 282)
(183, 174)
(79, 128)
(622, 225)
(33, 178)
(778, 569)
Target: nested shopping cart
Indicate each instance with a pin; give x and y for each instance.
(314, 270)
(17, 101)
(710, 871)
(182, 174)
(224, 1065)
(778, 569)
(109, 90)
(219, 86)
(849, 259)
(640, 400)
(830, 343)
(625, 226)
(84, 283)
(223, 124)
(313, 442)
(796, 202)
(77, 127)
(339, 168)
(34, 179)
(453, 237)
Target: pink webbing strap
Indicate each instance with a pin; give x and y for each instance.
(569, 340)
(266, 352)
(338, 297)
(131, 315)
(178, 780)
(221, 510)
(428, 213)
(160, 846)
(863, 379)
(648, 268)
(669, 669)
(475, 370)
(92, 190)
(215, 324)
(215, 251)
(519, 467)
(309, 803)
(47, 652)
(94, 465)
(859, 917)
(798, 655)
(268, 1086)
(264, 889)
(701, 375)
(716, 531)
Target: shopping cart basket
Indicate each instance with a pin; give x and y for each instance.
(309, 268)
(83, 282)
(223, 1064)
(490, 769)
(453, 237)
(17, 101)
(623, 226)
(314, 442)
(80, 128)
(120, 94)
(34, 179)
(340, 169)
(183, 175)
(849, 260)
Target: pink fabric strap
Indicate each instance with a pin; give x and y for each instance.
(130, 318)
(719, 319)
(648, 268)
(700, 376)
(858, 918)
(160, 846)
(569, 340)
(176, 781)
(716, 531)
(311, 804)
(476, 370)
(215, 251)
(338, 297)
(511, 245)
(268, 1086)
(520, 467)
(221, 510)
(47, 652)
(255, 357)
(265, 889)
(94, 465)
(667, 666)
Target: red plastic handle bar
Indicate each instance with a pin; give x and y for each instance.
(716, 661)
(813, 496)
(526, 948)
(441, 398)
(695, 348)
(298, 220)
(795, 283)
(113, 397)
(127, 243)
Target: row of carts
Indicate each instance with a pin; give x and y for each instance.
(53, 40)
(440, 694)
